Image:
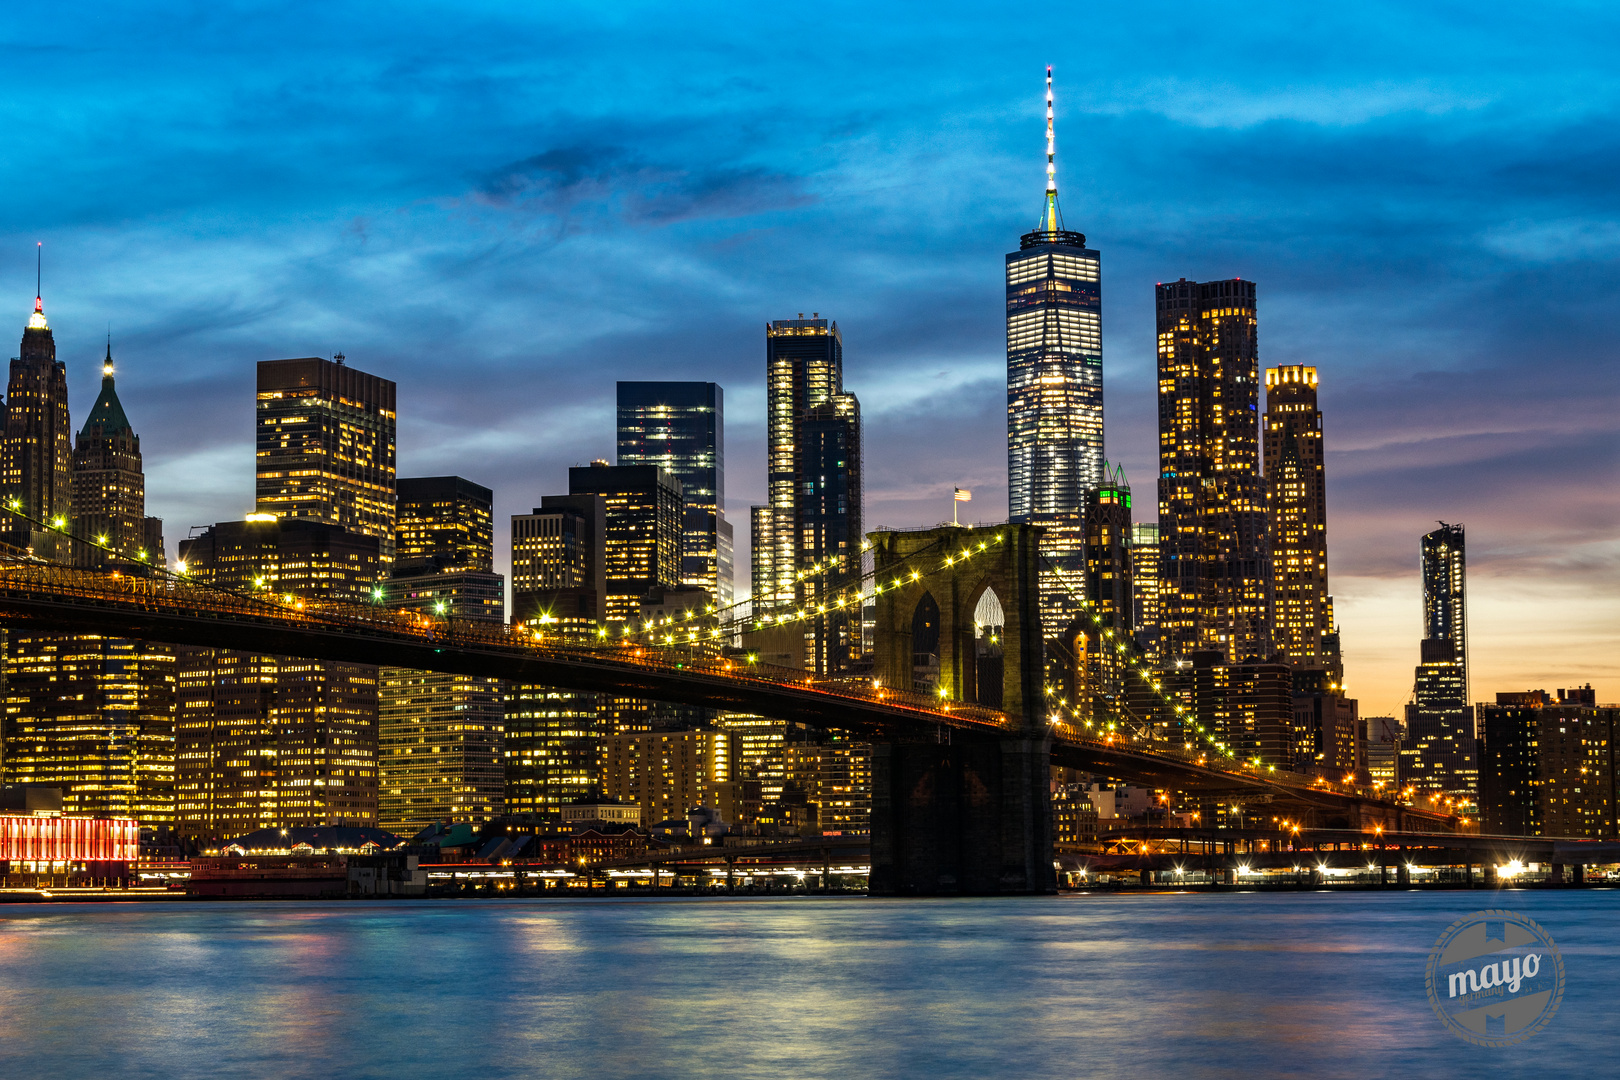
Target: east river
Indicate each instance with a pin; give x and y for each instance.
(1245, 985)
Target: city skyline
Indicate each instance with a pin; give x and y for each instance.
(1396, 461)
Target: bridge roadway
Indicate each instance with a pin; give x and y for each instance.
(50, 598)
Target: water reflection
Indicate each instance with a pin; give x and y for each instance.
(1195, 985)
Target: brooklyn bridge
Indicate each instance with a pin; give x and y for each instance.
(959, 790)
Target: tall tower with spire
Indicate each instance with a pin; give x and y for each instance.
(1054, 391)
(37, 452)
(90, 714)
(109, 487)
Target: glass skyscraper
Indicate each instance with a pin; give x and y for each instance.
(807, 540)
(681, 428)
(1054, 391)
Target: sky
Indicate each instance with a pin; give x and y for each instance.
(507, 207)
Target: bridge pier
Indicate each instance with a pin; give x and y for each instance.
(970, 816)
(965, 818)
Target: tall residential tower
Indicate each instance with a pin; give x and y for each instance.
(1054, 391)
(1214, 579)
(1296, 492)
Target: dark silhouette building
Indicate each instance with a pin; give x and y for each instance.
(1547, 768)
(1214, 580)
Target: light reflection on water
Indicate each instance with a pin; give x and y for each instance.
(1308, 985)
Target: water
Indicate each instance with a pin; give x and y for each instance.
(1246, 985)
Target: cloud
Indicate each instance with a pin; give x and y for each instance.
(566, 181)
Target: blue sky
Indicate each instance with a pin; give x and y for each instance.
(505, 208)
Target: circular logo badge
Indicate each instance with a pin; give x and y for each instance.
(1495, 978)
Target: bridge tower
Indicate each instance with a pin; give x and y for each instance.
(955, 812)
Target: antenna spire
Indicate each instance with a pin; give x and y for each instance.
(1050, 221)
(37, 321)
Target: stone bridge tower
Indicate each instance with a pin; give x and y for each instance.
(956, 812)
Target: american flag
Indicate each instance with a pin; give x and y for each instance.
(963, 495)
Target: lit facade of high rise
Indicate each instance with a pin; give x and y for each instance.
(1054, 391)
(95, 717)
(1214, 572)
(559, 584)
(37, 454)
(325, 446)
(681, 428)
(559, 554)
(1107, 646)
(804, 383)
(1296, 493)
(443, 523)
(643, 538)
(1440, 752)
(828, 530)
(92, 715)
(440, 755)
(1445, 592)
(263, 740)
(1145, 586)
(109, 488)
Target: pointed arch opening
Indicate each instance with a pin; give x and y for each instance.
(989, 665)
(925, 645)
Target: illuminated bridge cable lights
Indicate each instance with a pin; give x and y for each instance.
(1136, 664)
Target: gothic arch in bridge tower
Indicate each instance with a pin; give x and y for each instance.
(971, 575)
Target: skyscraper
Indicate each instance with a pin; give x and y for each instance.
(261, 740)
(1445, 594)
(1440, 752)
(93, 715)
(804, 369)
(559, 555)
(1101, 670)
(559, 584)
(680, 427)
(643, 538)
(325, 446)
(442, 523)
(828, 531)
(1214, 579)
(1145, 586)
(38, 448)
(1296, 493)
(1054, 391)
(439, 735)
(109, 488)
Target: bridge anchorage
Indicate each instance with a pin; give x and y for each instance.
(954, 810)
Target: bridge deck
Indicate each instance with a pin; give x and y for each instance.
(48, 597)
